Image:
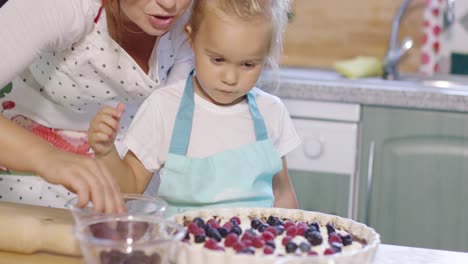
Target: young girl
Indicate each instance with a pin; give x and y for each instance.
(215, 139)
(60, 62)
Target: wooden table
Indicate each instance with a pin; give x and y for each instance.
(387, 254)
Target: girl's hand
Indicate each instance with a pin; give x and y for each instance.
(85, 176)
(103, 129)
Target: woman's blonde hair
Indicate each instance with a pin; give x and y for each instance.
(113, 14)
(274, 10)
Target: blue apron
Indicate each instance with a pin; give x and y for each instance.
(240, 177)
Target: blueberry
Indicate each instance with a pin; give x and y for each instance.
(236, 229)
(255, 223)
(279, 222)
(279, 230)
(330, 228)
(213, 233)
(248, 250)
(305, 247)
(290, 247)
(271, 243)
(314, 238)
(262, 227)
(347, 239)
(336, 246)
(272, 220)
(315, 225)
(199, 222)
(223, 231)
(200, 238)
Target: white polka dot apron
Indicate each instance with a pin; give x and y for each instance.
(237, 177)
(57, 96)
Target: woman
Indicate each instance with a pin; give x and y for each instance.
(61, 62)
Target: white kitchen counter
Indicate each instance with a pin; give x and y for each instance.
(389, 254)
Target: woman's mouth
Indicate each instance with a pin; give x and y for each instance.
(160, 22)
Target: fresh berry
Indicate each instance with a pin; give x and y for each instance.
(272, 229)
(287, 224)
(272, 220)
(230, 240)
(286, 240)
(330, 228)
(315, 225)
(192, 228)
(262, 227)
(238, 246)
(279, 230)
(347, 239)
(199, 222)
(235, 220)
(267, 236)
(255, 223)
(301, 230)
(213, 233)
(291, 231)
(199, 231)
(336, 246)
(200, 238)
(223, 231)
(305, 247)
(290, 247)
(247, 242)
(312, 253)
(211, 244)
(258, 242)
(247, 250)
(270, 243)
(228, 226)
(213, 223)
(329, 251)
(302, 223)
(247, 235)
(334, 237)
(236, 229)
(268, 250)
(314, 238)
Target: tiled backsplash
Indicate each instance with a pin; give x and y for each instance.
(445, 46)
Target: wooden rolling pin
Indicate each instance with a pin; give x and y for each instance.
(30, 229)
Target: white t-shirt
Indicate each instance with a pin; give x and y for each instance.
(214, 129)
(65, 67)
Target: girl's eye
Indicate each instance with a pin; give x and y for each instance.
(217, 60)
(249, 65)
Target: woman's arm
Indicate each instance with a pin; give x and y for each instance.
(24, 151)
(285, 197)
(29, 28)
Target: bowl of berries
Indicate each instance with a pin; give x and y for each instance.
(273, 235)
(128, 239)
(135, 204)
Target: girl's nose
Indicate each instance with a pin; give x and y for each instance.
(230, 76)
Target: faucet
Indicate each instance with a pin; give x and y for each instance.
(395, 52)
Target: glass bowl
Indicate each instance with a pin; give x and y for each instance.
(129, 239)
(136, 204)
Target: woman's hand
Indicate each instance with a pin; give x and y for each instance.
(103, 129)
(85, 176)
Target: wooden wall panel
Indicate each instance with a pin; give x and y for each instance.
(329, 30)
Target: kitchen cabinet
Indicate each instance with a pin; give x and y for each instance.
(413, 183)
(322, 169)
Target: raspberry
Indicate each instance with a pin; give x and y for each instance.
(286, 239)
(211, 244)
(258, 242)
(287, 224)
(235, 220)
(247, 235)
(192, 228)
(230, 240)
(247, 250)
(291, 231)
(247, 242)
(272, 230)
(302, 223)
(199, 231)
(228, 226)
(312, 253)
(267, 236)
(213, 223)
(301, 229)
(334, 237)
(268, 250)
(329, 251)
(238, 246)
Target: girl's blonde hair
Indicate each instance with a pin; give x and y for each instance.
(274, 10)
